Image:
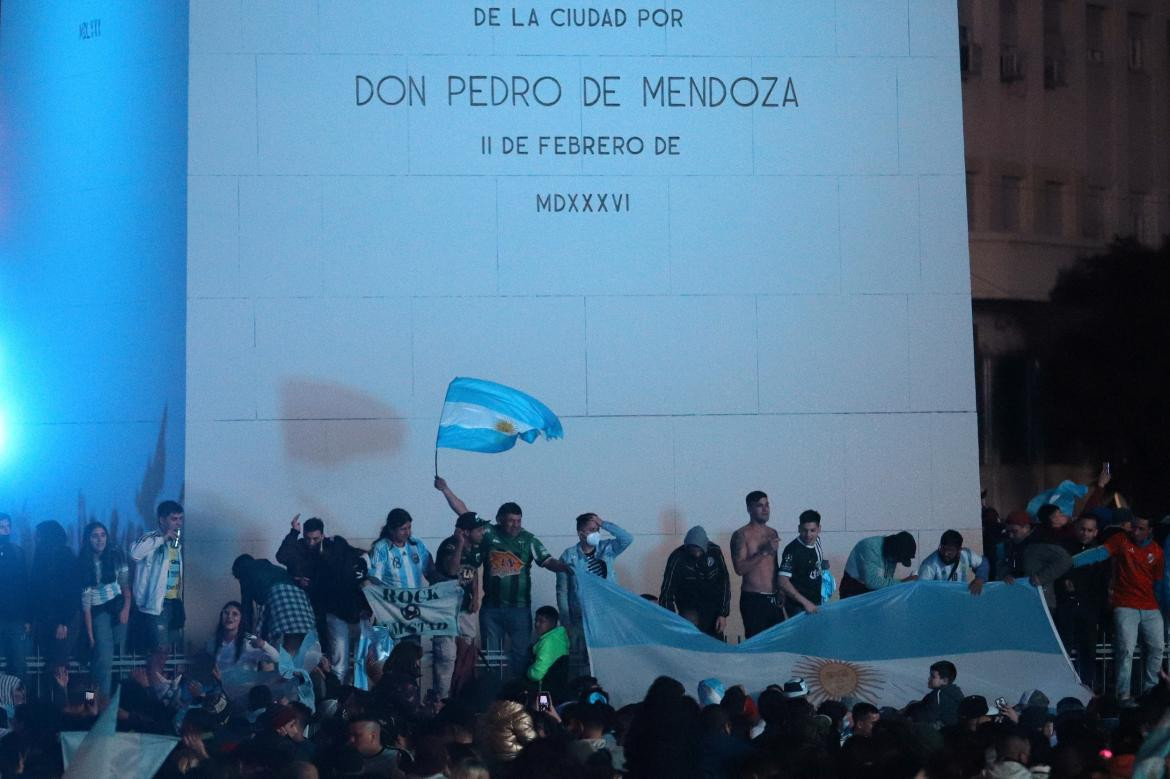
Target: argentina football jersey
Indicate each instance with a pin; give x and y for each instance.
(400, 566)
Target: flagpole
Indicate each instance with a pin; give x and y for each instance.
(436, 462)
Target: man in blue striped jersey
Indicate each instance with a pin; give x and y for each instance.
(398, 559)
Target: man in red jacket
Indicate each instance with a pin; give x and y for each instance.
(1137, 566)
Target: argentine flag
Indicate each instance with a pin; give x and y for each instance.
(482, 416)
(876, 647)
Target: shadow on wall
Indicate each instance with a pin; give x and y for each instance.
(304, 401)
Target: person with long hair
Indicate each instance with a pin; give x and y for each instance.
(105, 600)
(57, 589)
(231, 646)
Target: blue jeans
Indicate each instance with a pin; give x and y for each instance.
(515, 622)
(14, 647)
(108, 634)
(1128, 624)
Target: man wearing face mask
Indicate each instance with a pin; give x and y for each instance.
(597, 555)
(14, 618)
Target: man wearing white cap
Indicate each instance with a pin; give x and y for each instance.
(696, 585)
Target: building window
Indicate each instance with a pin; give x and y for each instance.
(1009, 204)
(970, 53)
(1054, 71)
(1050, 208)
(1093, 214)
(1008, 32)
(1095, 34)
(1011, 61)
(1136, 27)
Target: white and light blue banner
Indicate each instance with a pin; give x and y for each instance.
(425, 611)
(483, 416)
(876, 647)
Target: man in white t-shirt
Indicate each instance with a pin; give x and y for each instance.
(954, 562)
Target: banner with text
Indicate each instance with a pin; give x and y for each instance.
(427, 611)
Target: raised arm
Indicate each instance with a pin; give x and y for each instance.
(289, 552)
(457, 505)
(145, 546)
(621, 538)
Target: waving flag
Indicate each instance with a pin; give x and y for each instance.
(1065, 496)
(876, 647)
(103, 753)
(482, 416)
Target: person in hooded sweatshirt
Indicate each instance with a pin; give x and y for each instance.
(872, 563)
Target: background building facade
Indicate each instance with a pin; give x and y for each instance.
(1066, 114)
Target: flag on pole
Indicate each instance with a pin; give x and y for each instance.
(876, 647)
(482, 416)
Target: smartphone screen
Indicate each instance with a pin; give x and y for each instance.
(543, 702)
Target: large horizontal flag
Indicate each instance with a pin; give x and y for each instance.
(482, 416)
(876, 647)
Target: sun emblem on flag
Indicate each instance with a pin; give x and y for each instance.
(837, 679)
(506, 427)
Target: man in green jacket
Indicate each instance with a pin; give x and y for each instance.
(552, 643)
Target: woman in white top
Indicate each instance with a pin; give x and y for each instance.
(232, 649)
(105, 600)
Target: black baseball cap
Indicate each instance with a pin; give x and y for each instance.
(469, 520)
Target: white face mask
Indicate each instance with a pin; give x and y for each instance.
(593, 539)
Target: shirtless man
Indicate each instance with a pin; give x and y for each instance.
(753, 555)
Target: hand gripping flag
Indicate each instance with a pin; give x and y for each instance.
(482, 416)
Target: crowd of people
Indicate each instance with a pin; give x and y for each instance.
(281, 688)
